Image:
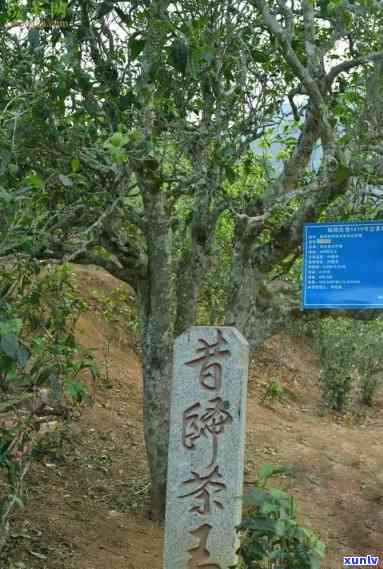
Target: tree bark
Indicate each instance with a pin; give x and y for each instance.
(257, 309)
(192, 267)
(195, 259)
(154, 298)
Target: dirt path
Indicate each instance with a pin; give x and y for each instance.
(87, 498)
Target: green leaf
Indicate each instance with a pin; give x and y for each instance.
(6, 196)
(75, 164)
(55, 384)
(136, 46)
(208, 56)
(34, 38)
(230, 174)
(280, 528)
(18, 501)
(59, 9)
(7, 365)
(27, 244)
(260, 56)
(342, 173)
(178, 55)
(95, 373)
(74, 389)
(194, 63)
(262, 524)
(270, 508)
(127, 101)
(257, 497)
(23, 356)
(10, 346)
(315, 564)
(83, 80)
(118, 139)
(268, 470)
(33, 180)
(13, 169)
(278, 494)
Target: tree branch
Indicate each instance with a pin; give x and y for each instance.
(347, 65)
(309, 35)
(309, 81)
(295, 166)
(289, 16)
(289, 54)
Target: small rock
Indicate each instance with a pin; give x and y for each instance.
(38, 555)
(114, 513)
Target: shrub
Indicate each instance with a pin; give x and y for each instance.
(274, 391)
(306, 325)
(271, 535)
(40, 366)
(369, 359)
(336, 345)
(349, 349)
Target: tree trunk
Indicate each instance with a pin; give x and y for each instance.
(195, 257)
(154, 298)
(257, 308)
(193, 265)
(157, 372)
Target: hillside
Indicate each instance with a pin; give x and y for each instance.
(87, 495)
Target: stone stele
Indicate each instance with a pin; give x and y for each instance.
(206, 448)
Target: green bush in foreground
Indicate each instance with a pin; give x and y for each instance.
(271, 535)
(349, 350)
(41, 368)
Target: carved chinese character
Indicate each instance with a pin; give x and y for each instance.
(212, 421)
(200, 556)
(211, 372)
(191, 429)
(203, 490)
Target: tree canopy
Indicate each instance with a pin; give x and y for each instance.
(127, 134)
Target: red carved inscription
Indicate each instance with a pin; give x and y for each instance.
(210, 376)
(212, 422)
(205, 485)
(200, 556)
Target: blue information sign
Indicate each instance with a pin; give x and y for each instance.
(343, 265)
